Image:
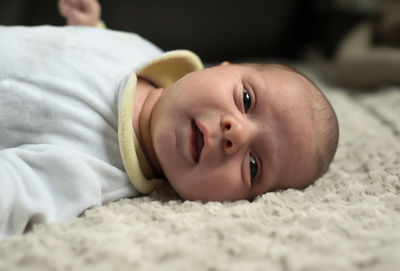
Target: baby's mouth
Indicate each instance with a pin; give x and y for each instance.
(197, 141)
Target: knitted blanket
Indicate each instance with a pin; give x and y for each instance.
(348, 220)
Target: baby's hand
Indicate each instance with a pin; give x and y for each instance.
(80, 12)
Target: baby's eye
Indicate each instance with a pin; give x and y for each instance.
(246, 100)
(253, 166)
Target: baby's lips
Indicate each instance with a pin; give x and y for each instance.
(193, 147)
(204, 142)
(199, 142)
(196, 141)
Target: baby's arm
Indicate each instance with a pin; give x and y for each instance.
(81, 12)
(44, 183)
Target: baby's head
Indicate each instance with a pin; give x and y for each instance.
(233, 132)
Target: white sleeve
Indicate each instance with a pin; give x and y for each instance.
(45, 183)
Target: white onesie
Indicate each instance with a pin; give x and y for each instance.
(66, 139)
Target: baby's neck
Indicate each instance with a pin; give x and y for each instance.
(146, 93)
(143, 87)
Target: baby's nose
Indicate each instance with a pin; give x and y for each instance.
(234, 134)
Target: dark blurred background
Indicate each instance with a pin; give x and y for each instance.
(220, 29)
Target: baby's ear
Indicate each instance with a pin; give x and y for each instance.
(225, 63)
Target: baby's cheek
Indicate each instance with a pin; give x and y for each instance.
(221, 185)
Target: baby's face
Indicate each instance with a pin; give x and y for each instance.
(235, 131)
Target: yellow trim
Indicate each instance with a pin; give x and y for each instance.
(101, 24)
(162, 71)
(170, 67)
(127, 141)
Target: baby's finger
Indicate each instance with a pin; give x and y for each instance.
(75, 3)
(91, 6)
(63, 7)
(76, 17)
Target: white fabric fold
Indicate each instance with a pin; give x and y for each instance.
(60, 90)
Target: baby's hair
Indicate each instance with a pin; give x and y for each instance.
(326, 123)
(324, 120)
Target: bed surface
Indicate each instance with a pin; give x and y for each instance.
(348, 220)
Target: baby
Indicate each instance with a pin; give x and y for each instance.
(225, 133)
(233, 131)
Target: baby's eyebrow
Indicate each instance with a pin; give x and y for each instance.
(259, 93)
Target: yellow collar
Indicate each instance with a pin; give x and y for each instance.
(163, 72)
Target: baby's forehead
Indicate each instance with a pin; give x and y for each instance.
(279, 75)
(290, 76)
(261, 67)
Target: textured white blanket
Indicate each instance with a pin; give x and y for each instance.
(347, 220)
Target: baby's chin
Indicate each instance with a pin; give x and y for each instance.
(296, 183)
(186, 192)
(206, 196)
